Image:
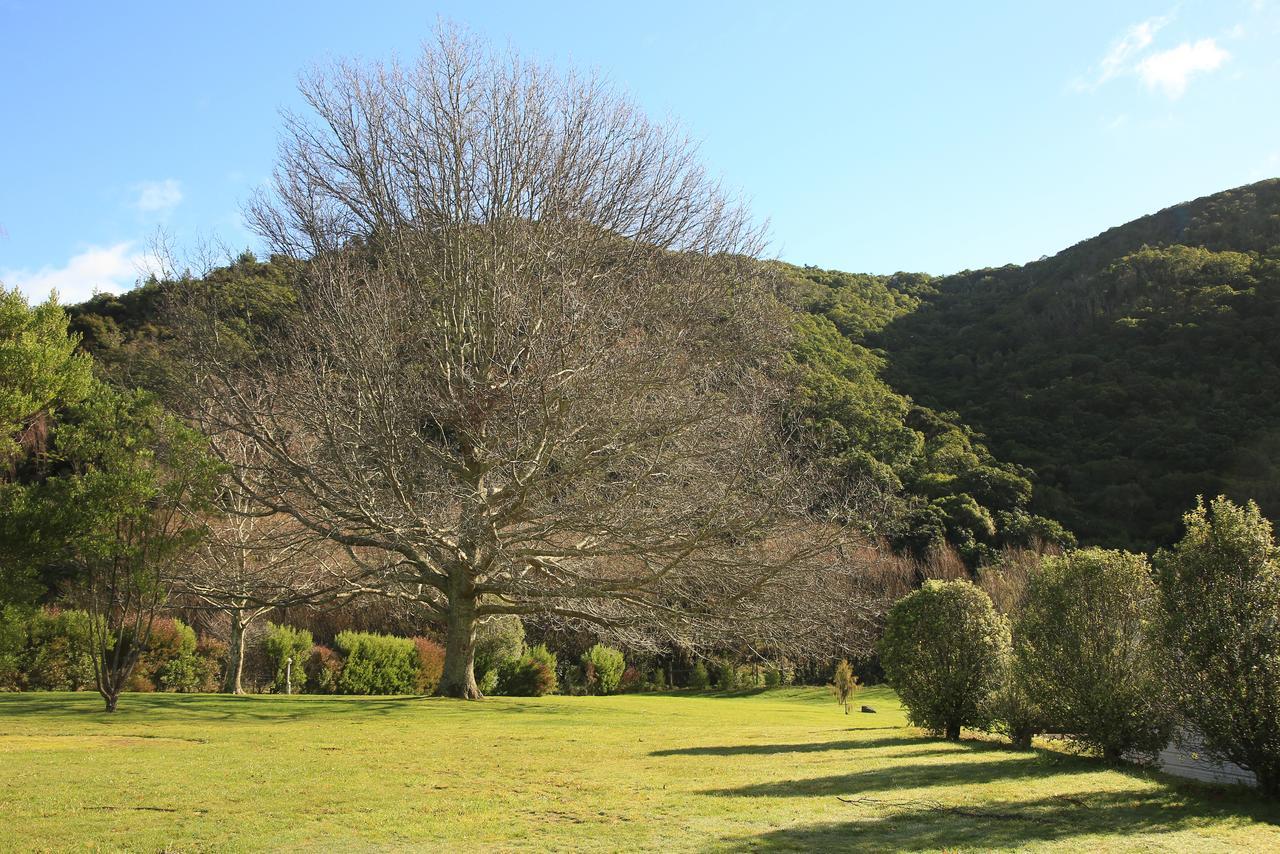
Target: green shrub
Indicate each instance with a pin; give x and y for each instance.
(13, 630)
(283, 644)
(499, 641)
(945, 651)
(168, 663)
(211, 662)
(844, 684)
(748, 676)
(376, 664)
(1220, 588)
(324, 666)
(604, 666)
(488, 683)
(178, 674)
(726, 675)
(777, 675)
(44, 649)
(59, 656)
(531, 676)
(430, 658)
(1083, 647)
(658, 679)
(699, 679)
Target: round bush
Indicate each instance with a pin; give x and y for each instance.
(1083, 649)
(604, 666)
(1220, 587)
(945, 651)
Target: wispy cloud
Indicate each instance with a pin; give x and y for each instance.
(1120, 56)
(1170, 70)
(98, 268)
(158, 196)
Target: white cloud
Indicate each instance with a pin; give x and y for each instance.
(1170, 70)
(1135, 41)
(1123, 50)
(98, 268)
(158, 196)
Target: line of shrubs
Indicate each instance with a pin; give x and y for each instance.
(1110, 650)
(48, 649)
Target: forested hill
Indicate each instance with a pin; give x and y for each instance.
(1102, 388)
(1131, 372)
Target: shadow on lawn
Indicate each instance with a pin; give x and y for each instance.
(878, 824)
(162, 707)
(815, 747)
(1017, 767)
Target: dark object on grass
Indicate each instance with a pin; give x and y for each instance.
(868, 710)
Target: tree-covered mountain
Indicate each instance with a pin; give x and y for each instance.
(1130, 372)
(1102, 388)
(946, 485)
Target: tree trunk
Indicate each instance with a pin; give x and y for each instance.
(232, 681)
(111, 698)
(459, 676)
(953, 732)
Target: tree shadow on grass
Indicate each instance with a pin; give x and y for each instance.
(1016, 767)
(883, 824)
(162, 707)
(813, 747)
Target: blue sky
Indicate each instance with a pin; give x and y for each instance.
(873, 136)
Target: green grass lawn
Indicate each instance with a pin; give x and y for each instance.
(701, 772)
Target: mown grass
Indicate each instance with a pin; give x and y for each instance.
(778, 770)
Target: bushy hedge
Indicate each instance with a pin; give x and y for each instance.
(376, 664)
(1221, 591)
(699, 679)
(499, 642)
(49, 649)
(285, 644)
(532, 675)
(945, 651)
(44, 650)
(1084, 648)
(603, 666)
(324, 666)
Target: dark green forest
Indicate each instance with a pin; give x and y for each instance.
(1092, 394)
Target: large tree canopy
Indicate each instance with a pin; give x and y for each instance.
(535, 360)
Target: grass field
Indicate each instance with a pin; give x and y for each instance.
(778, 770)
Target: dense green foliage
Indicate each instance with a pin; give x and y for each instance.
(1130, 372)
(531, 675)
(1085, 649)
(603, 666)
(129, 334)
(945, 651)
(945, 486)
(288, 650)
(499, 641)
(43, 649)
(1221, 591)
(376, 664)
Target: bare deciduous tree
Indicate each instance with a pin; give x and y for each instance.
(535, 360)
(253, 560)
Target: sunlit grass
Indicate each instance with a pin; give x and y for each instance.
(777, 770)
